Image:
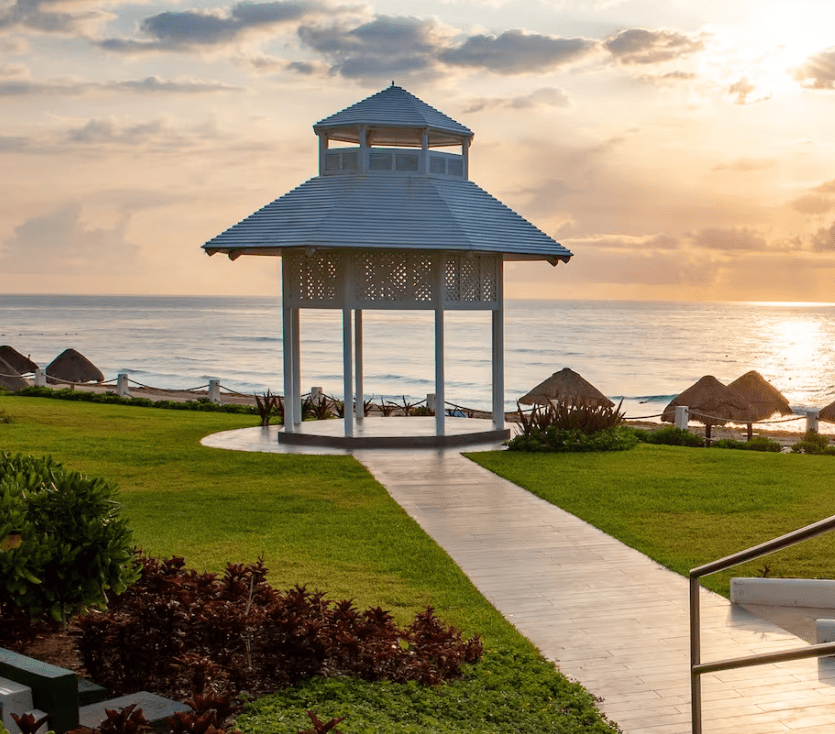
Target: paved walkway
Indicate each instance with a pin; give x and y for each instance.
(610, 617)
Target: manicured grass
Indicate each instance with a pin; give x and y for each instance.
(319, 520)
(684, 507)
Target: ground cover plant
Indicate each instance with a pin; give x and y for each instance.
(719, 502)
(322, 521)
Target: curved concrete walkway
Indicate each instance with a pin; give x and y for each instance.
(610, 617)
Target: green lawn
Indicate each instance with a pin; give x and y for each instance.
(684, 507)
(319, 520)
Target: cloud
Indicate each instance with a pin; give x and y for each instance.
(814, 204)
(818, 72)
(636, 243)
(742, 92)
(60, 242)
(824, 239)
(825, 188)
(641, 46)
(517, 52)
(745, 165)
(729, 239)
(544, 97)
(189, 29)
(382, 47)
(157, 134)
(149, 85)
(44, 16)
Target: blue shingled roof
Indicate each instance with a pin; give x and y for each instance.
(388, 212)
(393, 107)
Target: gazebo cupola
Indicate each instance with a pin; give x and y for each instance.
(383, 142)
(390, 222)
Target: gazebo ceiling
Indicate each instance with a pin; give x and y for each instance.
(388, 212)
(394, 117)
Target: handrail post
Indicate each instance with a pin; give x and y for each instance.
(695, 657)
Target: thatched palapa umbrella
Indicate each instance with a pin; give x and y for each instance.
(73, 367)
(764, 398)
(566, 386)
(828, 413)
(713, 404)
(22, 365)
(9, 377)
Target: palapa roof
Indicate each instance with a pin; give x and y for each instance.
(9, 377)
(717, 403)
(764, 398)
(15, 359)
(73, 366)
(393, 117)
(828, 413)
(566, 386)
(388, 212)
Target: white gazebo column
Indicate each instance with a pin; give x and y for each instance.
(358, 371)
(347, 354)
(287, 348)
(297, 360)
(498, 349)
(440, 297)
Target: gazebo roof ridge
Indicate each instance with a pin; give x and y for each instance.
(391, 110)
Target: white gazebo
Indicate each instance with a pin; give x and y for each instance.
(390, 222)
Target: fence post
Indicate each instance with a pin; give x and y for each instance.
(812, 420)
(316, 395)
(214, 391)
(431, 402)
(40, 378)
(122, 385)
(682, 417)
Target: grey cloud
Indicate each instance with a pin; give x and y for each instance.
(13, 144)
(544, 97)
(384, 46)
(818, 72)
(729, 239)
(151, 84)
(61, 242)
(37, 15)
(641, 46)
(516, 52)
(184, 30)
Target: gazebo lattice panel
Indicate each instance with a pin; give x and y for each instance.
(387, 279)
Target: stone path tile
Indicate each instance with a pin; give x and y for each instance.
(610, 617)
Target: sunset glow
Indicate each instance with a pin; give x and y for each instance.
(681, 151)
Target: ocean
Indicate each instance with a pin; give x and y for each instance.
(642, 352)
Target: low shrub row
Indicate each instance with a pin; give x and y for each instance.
(177, 632)
(111, 398)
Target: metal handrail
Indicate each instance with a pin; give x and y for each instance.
(697, 668)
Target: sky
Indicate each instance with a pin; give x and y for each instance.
(681, 149)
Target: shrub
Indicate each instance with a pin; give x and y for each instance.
(758, 443)
(550, 439)
(673, 436)
(202, 404)
(63, 545)
(570, 416)
(178, 631)
(813, 443)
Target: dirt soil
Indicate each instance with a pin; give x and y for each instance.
(50, 643)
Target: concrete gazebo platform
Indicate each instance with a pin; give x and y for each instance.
(391, 222)
(322, 437)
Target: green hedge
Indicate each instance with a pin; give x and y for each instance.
(63, 544)
(202, 404)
